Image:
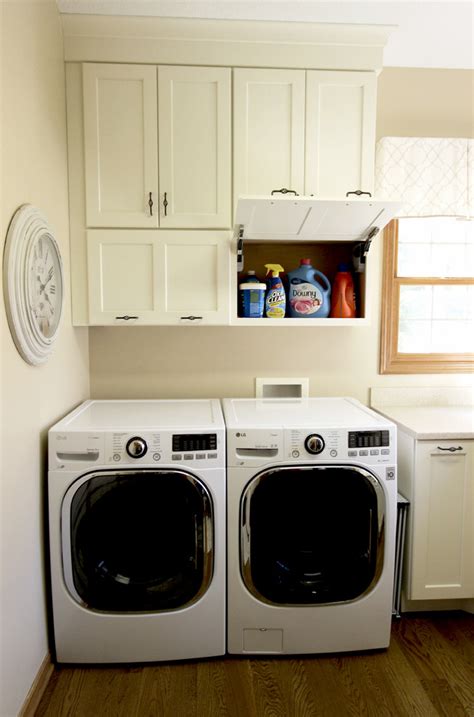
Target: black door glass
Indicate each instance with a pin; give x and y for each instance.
(137, 541)
(313, 535)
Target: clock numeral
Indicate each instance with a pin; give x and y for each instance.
(46, 257)
(40, 248)
(52, 288)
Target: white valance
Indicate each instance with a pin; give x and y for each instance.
(431, 176)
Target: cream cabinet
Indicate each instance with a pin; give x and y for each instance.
(437, 476)
(269, 107)
(312, 132)
(340, 132)
(157, 159)
(158, 277)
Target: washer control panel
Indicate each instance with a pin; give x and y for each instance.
(202, 449)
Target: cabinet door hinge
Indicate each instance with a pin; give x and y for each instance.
(239, 238)
(361, 250)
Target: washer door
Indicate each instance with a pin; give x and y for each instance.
(312, 534)
(137, 541)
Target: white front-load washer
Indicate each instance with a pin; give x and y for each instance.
(312, 500)
(137, 531)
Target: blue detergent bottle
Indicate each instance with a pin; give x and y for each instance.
(308, 297)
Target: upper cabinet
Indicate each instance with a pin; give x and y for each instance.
(312, 132)
(194, 146)
(269, 107)
(340, 132)
(120, 145)
(157, 159)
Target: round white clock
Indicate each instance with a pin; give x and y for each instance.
(32, 284)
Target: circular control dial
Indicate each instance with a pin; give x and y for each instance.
(314, 444)
(136, 447)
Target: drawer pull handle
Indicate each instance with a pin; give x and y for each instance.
(451, 449)
(127, 318)
(191, 318)
(165, 204)
(150, 204)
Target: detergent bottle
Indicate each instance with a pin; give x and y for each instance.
(343, 303)
(249, 278)
(308, 297)
(275, 300)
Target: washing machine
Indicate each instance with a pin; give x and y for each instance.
(312, 501)
(136, 493)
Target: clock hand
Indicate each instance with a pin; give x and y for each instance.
(48, 278)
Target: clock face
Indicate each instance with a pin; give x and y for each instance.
(45, 285)
(32, 284)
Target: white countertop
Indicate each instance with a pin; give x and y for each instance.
(431, 422)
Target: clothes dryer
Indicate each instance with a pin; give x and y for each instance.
(137, 531)
(312, 501)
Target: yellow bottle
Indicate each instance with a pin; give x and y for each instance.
(275, 300)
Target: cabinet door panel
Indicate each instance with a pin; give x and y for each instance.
(195, 277)
(268, 131)
(120, 139)
(194, 141)
(443, 535)
(122, 266)
(340, 132)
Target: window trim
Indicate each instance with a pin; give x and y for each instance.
(391, 361)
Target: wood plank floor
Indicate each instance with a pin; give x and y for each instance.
(427, 671)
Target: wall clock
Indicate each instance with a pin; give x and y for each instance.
(32, 284)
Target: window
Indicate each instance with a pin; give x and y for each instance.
(428, 296)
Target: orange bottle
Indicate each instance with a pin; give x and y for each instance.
(343, 304)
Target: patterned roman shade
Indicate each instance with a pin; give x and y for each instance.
(432, 176)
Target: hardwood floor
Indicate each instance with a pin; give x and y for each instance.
(427, 671)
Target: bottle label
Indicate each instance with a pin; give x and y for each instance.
(275, 304)
(304, 298)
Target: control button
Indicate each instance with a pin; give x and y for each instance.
(116, 457)
(385, 451)
(295, 454)
(136, 447)
(200, 456)
(188, 457)
(363, 453)
(374, 452)
(333, 453)
(352, 453)
(212, 455)
(390, 474)
(156, 456)
(176, 457)
(314, 444)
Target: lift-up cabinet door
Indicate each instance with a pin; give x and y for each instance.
(159, 277)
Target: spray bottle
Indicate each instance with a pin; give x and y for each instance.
(275, 300)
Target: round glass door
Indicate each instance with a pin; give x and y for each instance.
(139, 541)
(312, 535)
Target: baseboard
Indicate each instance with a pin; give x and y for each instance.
(37, 689)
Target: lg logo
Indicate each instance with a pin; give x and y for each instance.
(240, 435)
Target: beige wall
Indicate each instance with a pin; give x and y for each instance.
(196, 361)
(34, 170)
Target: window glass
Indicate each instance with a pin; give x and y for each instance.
(435, 247)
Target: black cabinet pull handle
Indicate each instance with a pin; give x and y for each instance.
(451, 449)
(127, 318)
(165, 204)
(285, 191)
(191, 318)
(150, 204)
(359, 193)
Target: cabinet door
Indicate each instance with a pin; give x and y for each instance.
(443, 521)
(194, 143)
(194, 277)
(340, 132)
(120, 141)
(268, 131)
(123, 267)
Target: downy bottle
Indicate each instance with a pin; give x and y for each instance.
(309, 292)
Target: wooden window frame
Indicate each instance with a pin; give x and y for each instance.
(391, 360)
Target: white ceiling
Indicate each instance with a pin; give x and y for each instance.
(428, 34)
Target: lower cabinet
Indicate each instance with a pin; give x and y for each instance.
(438, 479)
(158, 277)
